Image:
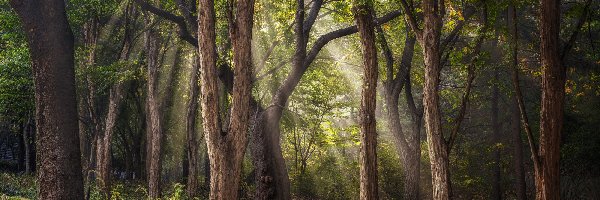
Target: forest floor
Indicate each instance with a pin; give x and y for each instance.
(17, 186)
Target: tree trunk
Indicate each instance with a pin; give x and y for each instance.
(29, 138)
(547, 177)
(51, 46)
(408, 144)
(104, 145)
(438, 150)
(114, 108)
(272, 180)
(520, 186)
(192, 143)
(226, 147)
(363, 14)
(519, 169)
(153, 126)
(412, 160)
(496, 134)
(496, 169)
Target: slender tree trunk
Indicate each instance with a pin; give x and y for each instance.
(114, 108)
(363, 14)
(412, 166)
(154, 126)
(547, 177)
(496, 133)
(519, 171)
(29, 138)
(407, 143)
(518, 167)
(104, 147)
(192, 143)
(51, 46)
(226, 148)
(496, 170)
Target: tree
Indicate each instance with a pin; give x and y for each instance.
(520, 186)
(226, 146)
(114, 106)
(363, 14)
(409, 143)
(192, 143)
(153, 118)
(433, 48)
(51, 46)
(547, 173)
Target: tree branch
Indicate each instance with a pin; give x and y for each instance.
(459, 26)
(184, 33)
(326, 38)
(312, 16)
(470, 78)
(569, 45)
(412, 21)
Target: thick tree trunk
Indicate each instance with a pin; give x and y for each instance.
(547, 177)
(438, 150)
(519, 169)
(153, 126)
(363, 14)
(51, 46)
(226, 148)
(192, 143)
(272, 180)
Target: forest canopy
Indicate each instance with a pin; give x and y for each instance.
(299, 99)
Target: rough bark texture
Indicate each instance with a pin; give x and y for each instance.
(547, 177)
(51, 46)
(438, 150)
(363, 14)
(519, 171)
(192, 142)
(153, 126)
(226, 147)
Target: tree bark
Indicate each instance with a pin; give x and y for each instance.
(153, 126)
(547, 177)
(438, 150)
(51, 46)
(363, 14)
(192, 142)
(519, 171)
(226, 147)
